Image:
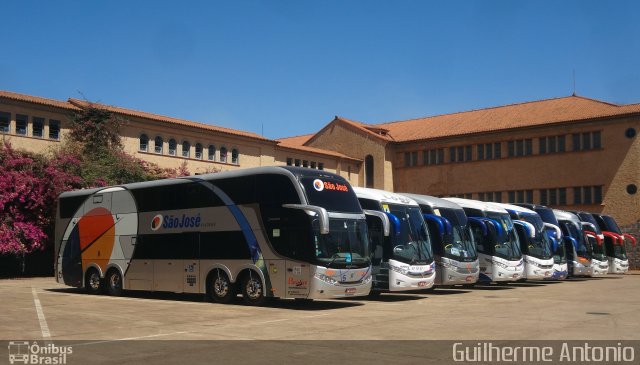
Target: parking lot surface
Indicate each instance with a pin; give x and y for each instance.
(590, 308)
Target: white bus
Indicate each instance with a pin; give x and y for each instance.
(454, 249)
(401, 255)
(614, 243)
(496, 239)
(535, 243)
(262, 232)
(579, 247)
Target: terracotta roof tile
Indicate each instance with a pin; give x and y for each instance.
(375, 131)
(162, 118)
(294, 144)
(296, 140)
(535, 113)
(37, 100)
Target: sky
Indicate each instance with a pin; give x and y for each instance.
(287, 67)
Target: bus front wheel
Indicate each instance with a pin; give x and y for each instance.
(252, 289)
(221, 290)
(92, 282)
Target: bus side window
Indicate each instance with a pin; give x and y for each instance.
(479, 238)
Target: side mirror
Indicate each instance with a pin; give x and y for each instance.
(394, 222)
(557, 234)
(630, 238)
(499, 231)
(615, 238)
(322, 214)
(386, 226)
(479, 223)
(586, 226)
(444, 226)
(528, 227)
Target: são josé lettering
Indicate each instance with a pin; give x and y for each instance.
(184, 221)
(335, 186)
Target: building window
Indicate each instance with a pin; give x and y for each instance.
(481, 196)
(597, 140)
(543, 197)
(497, 197)
(520, 147)
(186, 149)
(480, 153)
(529, 196)
(368, 171)
(497, 150)
(5, 122)
(576, 142)
(577, 196)
(21, 124)
(173, 146)
(511, 149)
(586, 192)
(144, 142)
(235, 156)
(211, 155)
(305, 163)
(528, 147)
(511, 196)
(552, 144)
(289, 161)
(223, 155)
(297, 162)
(562, 196)
(198, 151)
(410, 159)
(54, 129)
(37, 127)
(562, 143)
(553, 197)
(520, 196)
(452, 154)
(321, 166)
(314, 165)
(597, 194)
(460, 154)
(586, 141)
(158, 143)
(542, 145)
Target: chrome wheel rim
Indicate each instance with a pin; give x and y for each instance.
(94, 281)
(114, 281)
(220, 286)
(254, 288)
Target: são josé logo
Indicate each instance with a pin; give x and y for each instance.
(156, 222)
(175, 221)
(318, 185)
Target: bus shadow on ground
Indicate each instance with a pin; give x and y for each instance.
(388, 297)
(491, 287)
(528, 284)
(311, 305)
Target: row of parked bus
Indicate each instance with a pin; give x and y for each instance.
(298, 233)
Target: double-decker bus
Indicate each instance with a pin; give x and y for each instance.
(454, 249)
(614, 243)
(579, 248)
(401, 255)
(560, 266)
(535, 243)
(263, 232)
(499, 253)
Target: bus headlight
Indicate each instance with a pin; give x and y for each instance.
(531, 262)
(326, 278)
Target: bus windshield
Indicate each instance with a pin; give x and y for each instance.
(584, 248)
(547, 216)
(540, 245)
(458, 245)
(332, 194)
(611, 224)
(598, 252)
(412, 245)
(346, 245)
(560, 254)
(507, 245)
(620, 252)
(586, 217)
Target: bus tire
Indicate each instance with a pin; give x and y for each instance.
(114, 283)
(219, 288)
(93, 284)
(253, 289)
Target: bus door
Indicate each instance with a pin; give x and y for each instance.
(298, 277)
(191, 263)
(168, 268)
(139, 272)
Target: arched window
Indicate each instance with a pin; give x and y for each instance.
(223, 154)
(158, 144)
(368, 171)
(212, 153)
(186, 149)
(172, 147)
(144, 142)
(198, 151)
(234, 156)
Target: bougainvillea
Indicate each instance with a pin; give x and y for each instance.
(30, 183)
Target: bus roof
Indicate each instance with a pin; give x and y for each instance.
(566, 216)
(383, 196)
(477, 204)
(517, 209)
(432, 201)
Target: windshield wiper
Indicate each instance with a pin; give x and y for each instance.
(333, 259)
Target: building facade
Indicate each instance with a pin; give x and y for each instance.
(571, 153)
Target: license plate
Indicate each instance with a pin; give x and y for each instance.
(547, 273)
(515, 275)
(422, 283)
(350, 291)
(469, 279)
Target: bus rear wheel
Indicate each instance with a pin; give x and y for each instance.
(252, 289)
(93, 284)
(114, 283)
(221, 290)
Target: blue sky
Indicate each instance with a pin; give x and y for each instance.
(290, 66)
